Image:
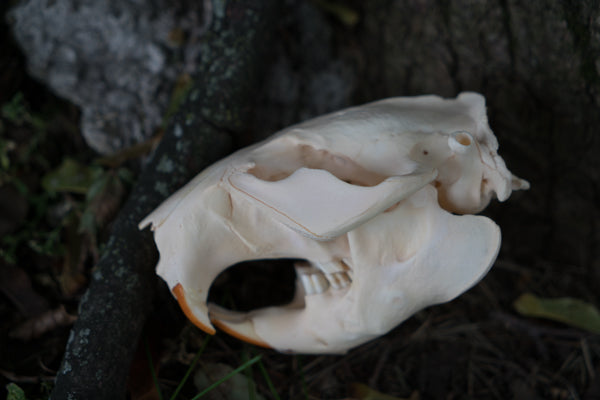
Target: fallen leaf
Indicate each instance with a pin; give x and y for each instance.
(360, 391)
(15, 284)
(103, 201)
(71, 276)
(568, 310)
(72, 177)
(235, 388)
(15, 392)
(133, 152)
(40, 324)
(340, 11)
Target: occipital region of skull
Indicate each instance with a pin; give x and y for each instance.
(378, 199)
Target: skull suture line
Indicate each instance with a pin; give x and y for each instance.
(366, 195)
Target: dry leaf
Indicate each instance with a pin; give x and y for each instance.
(346, 15)
(235, 388)
(45, 322)
(15, 284)
(570, 311)
(71, 176)
(360, 391)
(71, 275)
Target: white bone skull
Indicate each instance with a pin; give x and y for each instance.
(368, 196)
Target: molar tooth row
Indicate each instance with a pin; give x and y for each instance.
(339, 280)
(314, 283)
(331, 267)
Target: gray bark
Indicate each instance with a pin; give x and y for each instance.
(114, 308)
(538, 64)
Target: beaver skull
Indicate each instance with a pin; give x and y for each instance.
(377, 200)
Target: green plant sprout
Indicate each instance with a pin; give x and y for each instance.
(191, 368)
(265, 375)
(245, 366)
(228, 376)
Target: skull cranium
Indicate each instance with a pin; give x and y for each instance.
(366, 196)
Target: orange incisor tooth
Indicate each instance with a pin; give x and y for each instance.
(232, 332)
(180, 296)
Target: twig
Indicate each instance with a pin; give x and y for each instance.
(587, 358)
(11, 376)
(379, 366)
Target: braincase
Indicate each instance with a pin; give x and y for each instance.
(368, 143)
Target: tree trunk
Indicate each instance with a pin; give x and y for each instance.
(113, 310)
(537, 63)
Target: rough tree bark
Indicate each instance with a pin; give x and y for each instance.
(113, 310)
(538, 64)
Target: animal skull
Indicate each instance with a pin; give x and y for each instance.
(368, 196)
